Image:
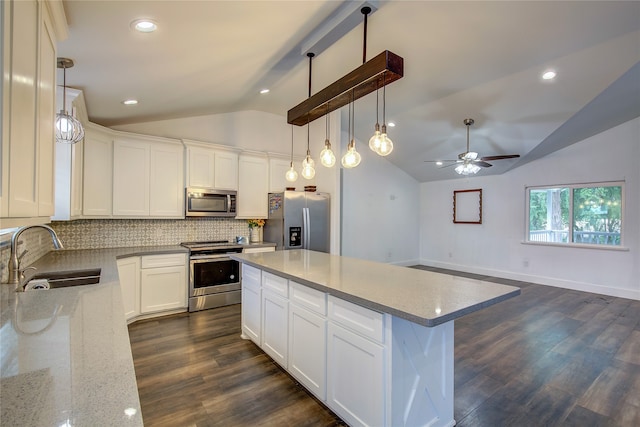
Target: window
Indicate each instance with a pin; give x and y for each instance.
(586, 214)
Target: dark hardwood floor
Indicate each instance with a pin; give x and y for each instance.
(549, 357)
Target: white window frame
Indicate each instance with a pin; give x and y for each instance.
(571, 187)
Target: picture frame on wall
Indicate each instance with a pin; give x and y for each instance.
(467, 206)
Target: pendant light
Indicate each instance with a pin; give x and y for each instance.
(327, 158)
(291, 175)
(351, 158)
(375, 141)
(386, 145)
(68, 129)
(308, 165)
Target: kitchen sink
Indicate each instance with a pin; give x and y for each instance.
(63, 279)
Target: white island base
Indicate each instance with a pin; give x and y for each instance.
(356, 343)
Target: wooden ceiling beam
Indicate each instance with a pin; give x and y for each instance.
(361, 81)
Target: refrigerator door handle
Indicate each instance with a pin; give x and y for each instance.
(306, 227)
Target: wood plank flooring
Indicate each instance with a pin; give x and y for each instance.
(549, 357)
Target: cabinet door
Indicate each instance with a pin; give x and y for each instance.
(97, 174)
(277, 170)
(166, 191)
(307, 349)
(251, 304)
(200, 167)
(130, 178)
(23, 155)
(129, 275)
(46, 114)
(226, 171)
(355, 377)
(253, 181)
(77, 152)
(275, 316)
(163, 289)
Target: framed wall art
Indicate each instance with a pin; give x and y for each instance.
(467, 206)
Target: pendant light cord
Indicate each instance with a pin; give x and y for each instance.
(384, 99)
(291, 146)
(64, 88)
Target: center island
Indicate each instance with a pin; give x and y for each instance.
(372, 341)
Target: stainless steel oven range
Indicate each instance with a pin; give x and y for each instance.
(214, 278)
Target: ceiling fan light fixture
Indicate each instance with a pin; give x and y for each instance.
(467, 169)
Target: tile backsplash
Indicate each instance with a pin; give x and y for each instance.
(114, 233)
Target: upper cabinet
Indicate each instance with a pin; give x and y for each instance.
(97, 182)
(28, 108)
(211, 166)
(147, 177)
(253, 186)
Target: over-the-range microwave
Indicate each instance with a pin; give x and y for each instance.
(210, 202)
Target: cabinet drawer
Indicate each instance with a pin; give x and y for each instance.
(164, 260)
(275, 284)
(310, 298)
(260, 249)
(250, 275)
(361, 320)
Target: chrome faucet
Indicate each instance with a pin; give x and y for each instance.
(15, 272)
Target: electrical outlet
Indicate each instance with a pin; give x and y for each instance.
(450, 255)
(525, 262)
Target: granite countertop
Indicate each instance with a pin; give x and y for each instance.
(65, 357)
(422, 297)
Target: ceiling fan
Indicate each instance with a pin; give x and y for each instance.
(469, 162)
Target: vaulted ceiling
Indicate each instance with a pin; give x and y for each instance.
(474, 59)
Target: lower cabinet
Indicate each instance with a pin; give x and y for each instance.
(275, 314)
(336, 349)
(129, 274)
(355, 377)
(251, 304)
(153, 284)
(308, 349)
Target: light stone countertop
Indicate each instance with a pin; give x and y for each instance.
(422, 297)
(65, 355)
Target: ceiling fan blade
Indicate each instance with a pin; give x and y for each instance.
(443, 161)
(482, 164)
(506, 156)
(449, 165)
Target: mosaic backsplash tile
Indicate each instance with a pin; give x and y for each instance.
(114, 233)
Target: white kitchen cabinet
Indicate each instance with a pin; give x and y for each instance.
(130, 178)
(253, 186)
(308, 349)
(28, 109)
(275, 318)
(355, 377)
(163, 282)
(211, 166)
(97, 165)
(251, 303)
(166, 190)
(278, 167)
(148, 177)
(129, 275)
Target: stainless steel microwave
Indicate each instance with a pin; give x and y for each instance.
(209, 202)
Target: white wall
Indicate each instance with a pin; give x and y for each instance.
(380, 210)
(496, 247)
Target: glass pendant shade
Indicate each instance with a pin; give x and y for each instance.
(68, 129)
(352, 158)
(308, 167)
(467, 169)
(327, 158)
(291, 174)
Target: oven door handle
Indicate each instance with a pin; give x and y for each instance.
(213, 258)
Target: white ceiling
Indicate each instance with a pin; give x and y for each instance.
(461, 59)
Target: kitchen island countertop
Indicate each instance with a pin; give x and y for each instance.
(422, 297)
(65, 355)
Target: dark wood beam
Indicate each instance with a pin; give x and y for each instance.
(362, 81)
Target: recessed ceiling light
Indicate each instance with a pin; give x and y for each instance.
(548, 75)
(263, 91)
(391, 124)
(144, 25)
(130, 101)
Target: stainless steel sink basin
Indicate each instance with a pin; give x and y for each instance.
(63, 279)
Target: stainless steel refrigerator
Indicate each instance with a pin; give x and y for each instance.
(298, 220)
